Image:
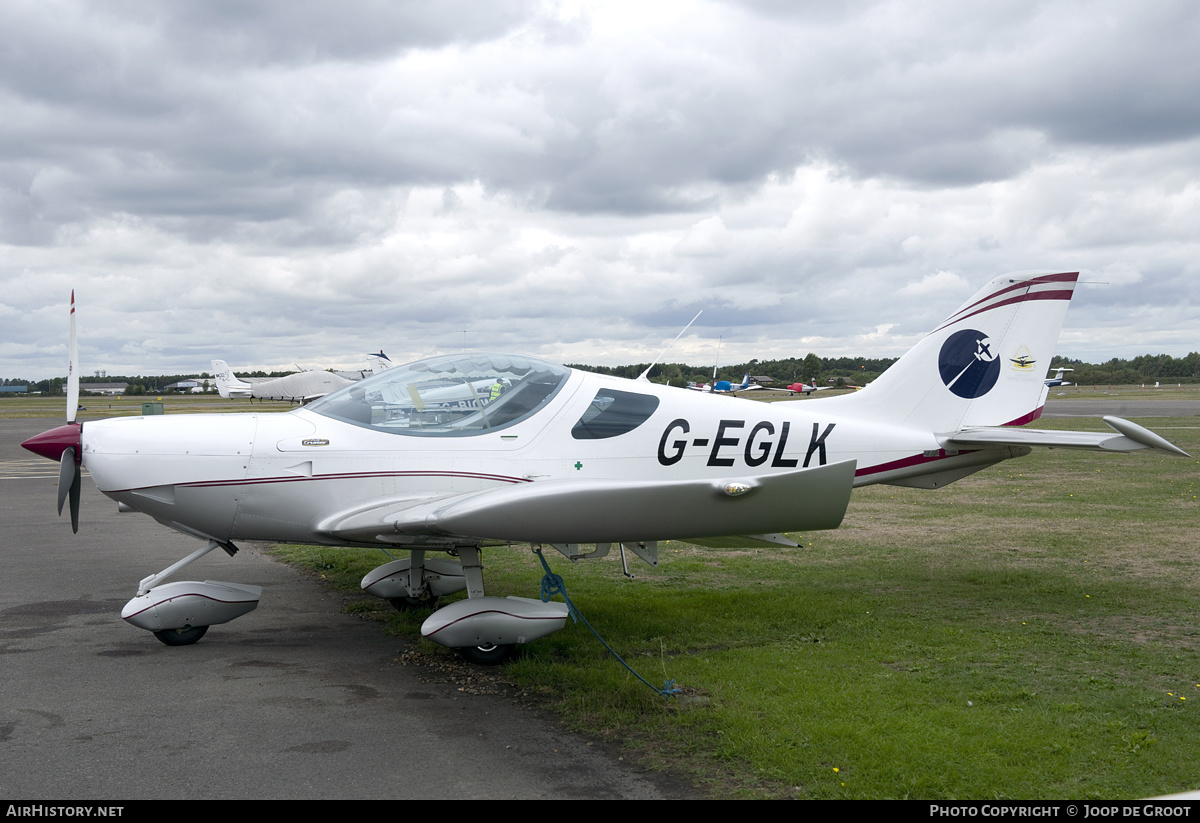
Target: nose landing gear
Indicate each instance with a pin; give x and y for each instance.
(180, 613)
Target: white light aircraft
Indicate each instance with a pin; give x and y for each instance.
(228, 385)
(420, 458)
(1057, 379)
(301, 387)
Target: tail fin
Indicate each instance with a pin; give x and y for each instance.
(227, 384)
(379, 362)
(982, 366)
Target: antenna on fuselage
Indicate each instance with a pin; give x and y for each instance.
(645, 375)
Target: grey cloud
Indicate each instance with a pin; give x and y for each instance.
(254, 165)
(306, 31)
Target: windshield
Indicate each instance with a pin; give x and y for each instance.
(448, 396)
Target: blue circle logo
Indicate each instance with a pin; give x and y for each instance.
(968, 364)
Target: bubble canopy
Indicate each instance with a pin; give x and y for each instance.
(449, 396)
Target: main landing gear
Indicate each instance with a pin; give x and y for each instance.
(180, 613)
(483, 630)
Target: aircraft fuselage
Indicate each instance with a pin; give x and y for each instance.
(276, 476)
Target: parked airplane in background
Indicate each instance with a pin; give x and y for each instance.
(1057, 379)
(301, 387)
(805, 388)
(720, 386)
(559, 457)
(229, 385)
(724, 386)
(379, 362)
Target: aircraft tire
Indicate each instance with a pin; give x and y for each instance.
(181, 637)
(489, 655)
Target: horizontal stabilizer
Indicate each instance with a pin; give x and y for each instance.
(1129, 437)
(616, 511)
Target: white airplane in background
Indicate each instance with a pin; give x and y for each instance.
(379, 362)
(562, 458)
(1057, 379)
(229, 385)
(301, 387)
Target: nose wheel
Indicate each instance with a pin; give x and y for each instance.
(181, 637)
(179, 614)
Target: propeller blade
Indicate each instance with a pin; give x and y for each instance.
(72, 372)
(76, 483)
(67, 475)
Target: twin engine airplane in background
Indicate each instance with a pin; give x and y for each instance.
(458, 452)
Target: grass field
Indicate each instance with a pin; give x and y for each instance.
(1029, 632)
(96, 407)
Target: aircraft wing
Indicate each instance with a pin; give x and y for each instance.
(1128, 437)
(613, 511)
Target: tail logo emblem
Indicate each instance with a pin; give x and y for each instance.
(967, 363)
(1024, 360)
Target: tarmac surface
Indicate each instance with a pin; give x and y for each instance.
(294, 700)
(1067, 406)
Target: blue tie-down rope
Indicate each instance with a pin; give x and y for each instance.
(552, 584)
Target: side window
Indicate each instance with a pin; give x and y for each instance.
(613, 413)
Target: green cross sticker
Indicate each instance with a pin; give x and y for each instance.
(578, 465)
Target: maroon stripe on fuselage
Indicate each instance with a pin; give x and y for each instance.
(905, 462)
(1026, 418)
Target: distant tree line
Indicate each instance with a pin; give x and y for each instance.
(783, 372)
(1147, 368)
(138, 384)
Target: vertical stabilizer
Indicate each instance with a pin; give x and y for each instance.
(227, 384)
(983, 366)
(379, 362)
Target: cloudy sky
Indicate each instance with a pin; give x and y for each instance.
(299, 181)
